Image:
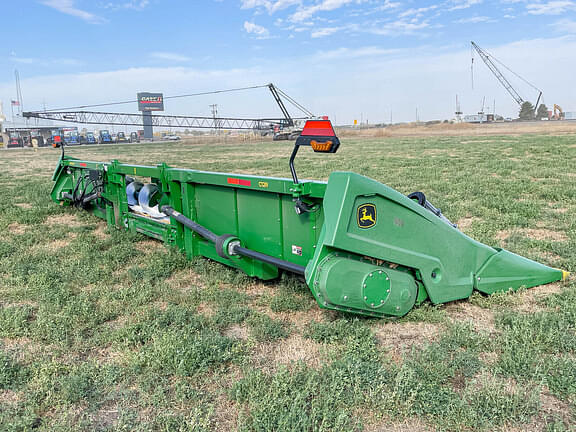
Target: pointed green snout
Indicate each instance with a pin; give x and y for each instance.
(505, 270)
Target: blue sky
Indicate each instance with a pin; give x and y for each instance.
(349, 59)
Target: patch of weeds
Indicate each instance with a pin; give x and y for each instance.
(159, 265)
(286, 301)
(181, 352)
(198, 419)
(561, 376)
(12, 374)
(233, 314)
(558, 426)
(224, 297)
(489, 402)
(464, 336)
(295, 401)
(213, 272)
(56, 383)
(67, 317)
(155, 321)
(498, 299)
(265, 329)
(426, 312)
(293, 284)
(15, 320)
(533, 347)
(19, 418)
(339, 330)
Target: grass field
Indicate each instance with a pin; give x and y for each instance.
(102, 330)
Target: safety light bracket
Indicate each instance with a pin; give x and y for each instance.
(320, 135)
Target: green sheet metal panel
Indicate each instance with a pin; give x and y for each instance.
(216, 208)
(259, 221)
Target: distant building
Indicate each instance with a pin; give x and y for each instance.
(479, 118)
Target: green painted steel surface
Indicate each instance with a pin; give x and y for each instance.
(367, 248)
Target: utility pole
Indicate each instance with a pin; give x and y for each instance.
(214, 108)
(458, 111)
(18, 91)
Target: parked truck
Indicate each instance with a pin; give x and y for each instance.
(104, 137)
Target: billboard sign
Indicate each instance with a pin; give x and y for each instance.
(150, 102)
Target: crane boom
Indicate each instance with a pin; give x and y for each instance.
(274, 91)
(125, 119)
(499, 75)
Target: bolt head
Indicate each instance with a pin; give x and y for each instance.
(345, 298)
(365, 298)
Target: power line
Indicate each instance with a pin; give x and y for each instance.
(166, 97)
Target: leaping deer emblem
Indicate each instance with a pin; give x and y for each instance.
(366, 216)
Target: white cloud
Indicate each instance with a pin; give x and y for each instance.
(462, 4)
(388, 5)
(350, 53)
(476, 20)
(556, 7)
(324, 32)
(257, 30)
(170, 56)
(132, 4)
(270, 5)
(565, 26)
(417, 11)
(307, 12)
(68, 7)
(399, 27)
(23, 60)
(42, 62)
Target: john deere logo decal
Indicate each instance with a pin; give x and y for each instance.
(366, 215)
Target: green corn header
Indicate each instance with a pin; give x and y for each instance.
(362, 246)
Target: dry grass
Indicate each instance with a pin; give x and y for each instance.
(464, 311)
(68, 220)
(533, 233)
(397, 338)
(287, 352)
(17, 228)
(464, 129)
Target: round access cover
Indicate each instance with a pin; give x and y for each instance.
(376, 288)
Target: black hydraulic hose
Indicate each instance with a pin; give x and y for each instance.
(91, 197)
(285, 265)
(209, 235)
(197, 228)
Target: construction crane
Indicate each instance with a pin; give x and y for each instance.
(127, 119)
(490, 60)
(287, 123)
(558, 112)
(291, 128)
